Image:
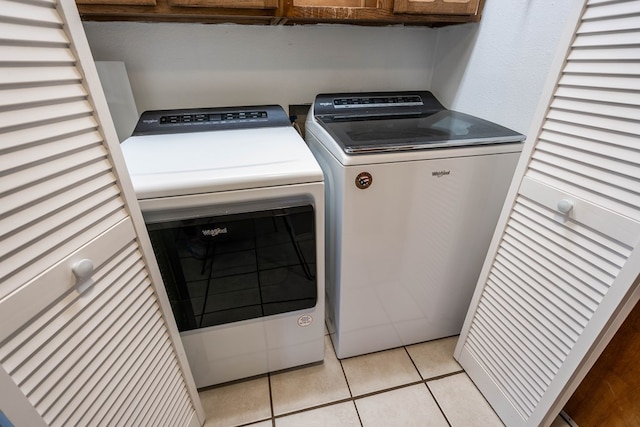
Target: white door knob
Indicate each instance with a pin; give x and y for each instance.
(83, 270)
(565, 206)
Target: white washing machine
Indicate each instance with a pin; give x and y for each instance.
(234, 204)
(413, 194)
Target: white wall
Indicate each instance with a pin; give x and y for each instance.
(195, 65)
(497, 69)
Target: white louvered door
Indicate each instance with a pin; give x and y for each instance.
(565, 259)
(100, 351)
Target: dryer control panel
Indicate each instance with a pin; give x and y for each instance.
(157, 122)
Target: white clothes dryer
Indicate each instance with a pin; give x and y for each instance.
(234, 204)
(413, 194)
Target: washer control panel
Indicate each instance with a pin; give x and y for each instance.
(377, 101)
(345, 106)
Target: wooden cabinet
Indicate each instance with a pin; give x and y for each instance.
(208, 11)
(338, 10)
(438, 7)
(368, 12)
(382, 11)
(118, 2)
(234, 4)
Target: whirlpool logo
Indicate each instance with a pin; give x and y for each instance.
(213, 232)
(440, 174)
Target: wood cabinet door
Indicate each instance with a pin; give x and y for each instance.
(382, 11)
(230, 4)
(338, 10)
(118, 2)
(359, 11)
(437, 7)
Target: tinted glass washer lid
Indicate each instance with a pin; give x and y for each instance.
(380, 122)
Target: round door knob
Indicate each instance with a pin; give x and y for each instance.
(565, 206)
(83, 270)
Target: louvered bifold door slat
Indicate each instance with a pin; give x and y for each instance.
(547, 280)
(550, 272)
(101, 357)
(588, 145)
(96, 355)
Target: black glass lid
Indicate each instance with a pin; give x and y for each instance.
(441, 129)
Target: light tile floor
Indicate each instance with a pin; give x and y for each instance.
(419, 385)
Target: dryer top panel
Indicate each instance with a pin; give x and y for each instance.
(245, 157)
(383, 122)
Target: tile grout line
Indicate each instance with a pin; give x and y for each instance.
(353, 398)
(425, 381)
(374, 393)
(346, 380)
(273, 418)
(311, 408)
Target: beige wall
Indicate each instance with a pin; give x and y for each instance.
(495, 69)
(196, 65)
